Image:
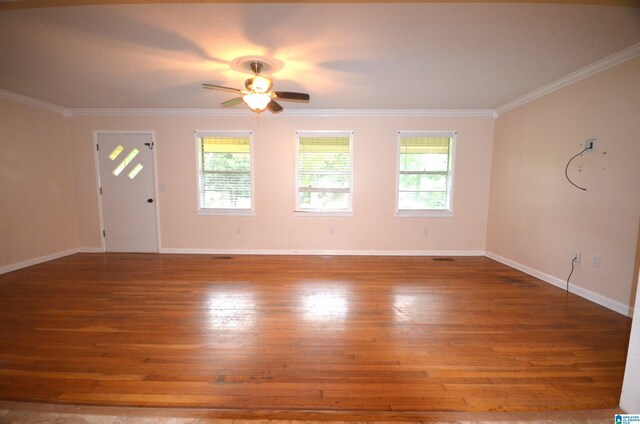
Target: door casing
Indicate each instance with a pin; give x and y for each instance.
(152, 135)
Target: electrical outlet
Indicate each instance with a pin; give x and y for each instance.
(590, 144)
(596, 262)
(577, 256)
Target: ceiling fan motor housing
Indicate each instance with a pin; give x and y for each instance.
(258, 84)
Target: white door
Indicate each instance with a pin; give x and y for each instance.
(128, 196)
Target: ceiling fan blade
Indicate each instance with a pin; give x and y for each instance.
(220, 87)
(231, 102)
(274, 107)
(292, 97)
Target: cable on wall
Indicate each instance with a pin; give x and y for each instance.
(588, 145)
(573, 261)
(566, 169)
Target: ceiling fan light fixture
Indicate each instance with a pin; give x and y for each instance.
(258, 95)
(257, 101)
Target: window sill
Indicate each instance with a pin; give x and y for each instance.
(424, 213)
(226, 212)
(322, 213)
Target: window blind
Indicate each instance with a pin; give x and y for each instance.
(324, 172)
(225, 172)
(425, 178)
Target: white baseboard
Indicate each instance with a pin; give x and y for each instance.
(38, 260)
(323, 252)
(90, 250)
(580, 291)
(52, 256)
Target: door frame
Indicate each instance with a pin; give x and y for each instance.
(154, 161)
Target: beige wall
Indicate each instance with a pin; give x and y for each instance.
(37, 205)
(536, 218)
(372, 227)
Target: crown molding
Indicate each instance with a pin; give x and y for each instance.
(599, 66)
(487, 113)
(156, 112)
(41, 104)
(484, 113)
(34, 4)
(69, 112)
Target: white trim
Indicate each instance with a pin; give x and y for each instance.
(223, 133)
(298, 211)
(38, 260)
(483, 113)
(427, 133)
(90, 250)
(154, 166)
(599, 66)
(19, 98)
(69, 112)
(225, 211)
(580, 291)
(331, 133)
(156, 190)
(98, 183)
(426, 212)
(96, 161)
(320, 213)
(332, 252)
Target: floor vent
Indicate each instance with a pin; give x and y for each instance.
(222, 257)
(447, 259)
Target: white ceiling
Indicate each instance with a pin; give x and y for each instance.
(347, 56)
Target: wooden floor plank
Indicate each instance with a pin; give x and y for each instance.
(295, 333)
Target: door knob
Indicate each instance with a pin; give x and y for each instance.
(150, 200)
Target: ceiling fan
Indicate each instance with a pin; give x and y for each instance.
(258, 95)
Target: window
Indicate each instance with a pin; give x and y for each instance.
(425, 172)
(225, 180)
(324, 171)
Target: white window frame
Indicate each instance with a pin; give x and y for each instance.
(426, 212)
(324, 212)
(223, 211)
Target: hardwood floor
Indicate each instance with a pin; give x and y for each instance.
(293, 334)
(38, 413)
